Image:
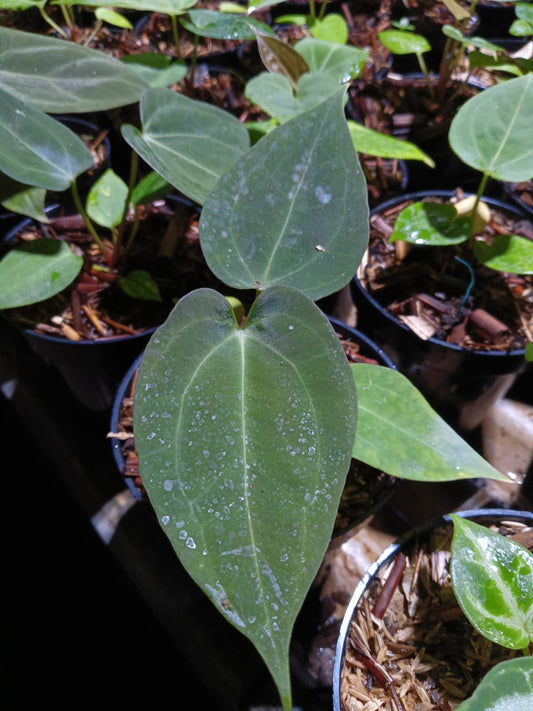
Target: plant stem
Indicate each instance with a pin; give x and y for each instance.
(423, 67)
(53, 24)
(322, 11)
(86, 220)
(93, 33)
(134, 164)
(473, 214)
(175, 33)
(68, 19)
(312, 11)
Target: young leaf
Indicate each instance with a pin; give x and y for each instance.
(399, 433)
(340, 62)
(113, 18)
(479, 42)
(492, 130)
(507, 253)
(280, 58)
(37, 150)
(189, 143)
(222, 25)
(430, 223)
(305, 180)
(57, 76)
(508, 685)
(22, 199)
(106, 200)
(139, 285)
(156, 70)
(331, 28)
(35, 271)
(374, 143)
(402, 42)
(244, 443)
(492, 577)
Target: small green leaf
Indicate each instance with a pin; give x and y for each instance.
(430, 223)
(375, 143)
(106, 200)
(340, 62)
(156, 70)
(305, 177)
(281, 58)
(35, 271)
(492, 577)
(399, 433)
(508, 685)
(521, 28)
(139, 284)
(507, 253)
(492, 130)
(331, 28)
(400, 42)
(108, 15)
(150, 188)
(223, 25)
(470, 41)
(23, 199)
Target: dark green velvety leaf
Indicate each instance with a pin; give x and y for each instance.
(244, 438)
(139, 284)
(56, 76)
(305, 180)
(399, 433)
(492, 577)
(36, 271)
(508, 685)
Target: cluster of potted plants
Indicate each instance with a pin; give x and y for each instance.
(229, 228)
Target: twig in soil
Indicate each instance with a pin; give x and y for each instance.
(393, 580)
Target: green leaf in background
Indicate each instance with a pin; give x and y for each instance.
(112, 18)
(280, 58)
(22, 199)
(35, 271)
(63, 77)
(106, 200)
(150, 188)
(166, 7)
(508, 685)
(139, 284)
(305, 180)
(331, 28)
(257, 129)
(156, 70)
(529, 352)
(503, 63)
(471, 41)
(430, 223)
(21, 4)
(399, 433)
(492, 577)
(375, 143)
(404, 42)
(189, 143)
(492, 130)
(340, 62)
(38, 150)
(507, 253)
(244, 443)
(223, 25)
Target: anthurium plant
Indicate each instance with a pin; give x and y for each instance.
(492, 578)
(245, 425)
(490, 133)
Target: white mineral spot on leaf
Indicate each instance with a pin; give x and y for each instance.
(322, 195)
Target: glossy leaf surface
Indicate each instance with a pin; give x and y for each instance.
(36, 271)
(492, 577)
(400, 42)
(56, 76)
(399, 433)
(375, 143)
(340, 62)
(223, 25)
(508, 685)
(507, 253)
(244, 438)
(492, 130)
(304, 180)
(37, 150)
(190, 143)
(22, 199)
(156, 70)
(430, 223)
(139, 285)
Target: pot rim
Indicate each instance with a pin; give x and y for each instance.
(386, 555)
(437, 341)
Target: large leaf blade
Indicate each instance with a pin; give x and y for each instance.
(508, 685)
(190, 143)
(304, 179)
(399, 433)
(492, 577)
(244, 438)
(37, 150)
(63, 77)
(492, 130)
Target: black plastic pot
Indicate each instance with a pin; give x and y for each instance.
(495, 18)
(404, 544)
(460, 384)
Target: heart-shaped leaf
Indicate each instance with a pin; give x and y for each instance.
(166, 7)
(63, 77)
(492, 130)
(244, 438)
(340, 62)
(280, 58)
(223, 25)
(22, 199)
(139, 284)
(331, 28)
(35, 271)
(37, 150)
(399, 433)
(430, 223)
(304, 180)
(375, 143)
(403, 42)
(492, 577)
(507, 253)
(190, 143)
(508, 685)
